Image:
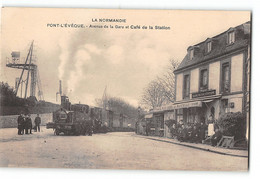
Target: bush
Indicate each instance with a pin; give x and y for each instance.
(233, 124)
(8, 97)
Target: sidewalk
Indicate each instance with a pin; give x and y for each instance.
(205, 147)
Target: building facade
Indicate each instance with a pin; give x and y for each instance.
(212, 79)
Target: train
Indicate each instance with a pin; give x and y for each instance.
(76, 119)
(82, 119)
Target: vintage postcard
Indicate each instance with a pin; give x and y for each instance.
(125, 89)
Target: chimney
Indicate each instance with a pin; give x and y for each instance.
(60, 91)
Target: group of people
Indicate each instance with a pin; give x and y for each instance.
(25, 124)
(196, 133)
(190, 133)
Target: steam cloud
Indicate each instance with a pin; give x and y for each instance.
(89, 60)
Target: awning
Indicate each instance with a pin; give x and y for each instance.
(187, 104)
(179, 106)
(207, 101)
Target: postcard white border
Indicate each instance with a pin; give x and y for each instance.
(253, 5)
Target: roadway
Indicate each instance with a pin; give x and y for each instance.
(118, 150)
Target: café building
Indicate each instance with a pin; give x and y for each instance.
(212, 78)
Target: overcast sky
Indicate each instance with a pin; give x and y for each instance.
(87, 60)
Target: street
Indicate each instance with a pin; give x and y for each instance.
(118, 150)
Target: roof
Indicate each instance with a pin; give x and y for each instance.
(219, 46)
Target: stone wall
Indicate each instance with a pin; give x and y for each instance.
(11, 120)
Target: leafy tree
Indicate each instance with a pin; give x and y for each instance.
(7, 94)
(8, 97)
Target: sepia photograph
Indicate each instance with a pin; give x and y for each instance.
(125, 89)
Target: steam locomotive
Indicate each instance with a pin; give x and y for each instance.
(76, 119)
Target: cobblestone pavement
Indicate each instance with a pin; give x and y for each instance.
(118, 150)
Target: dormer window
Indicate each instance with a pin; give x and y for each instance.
(209, 46)
(231, 37)
(191, 54)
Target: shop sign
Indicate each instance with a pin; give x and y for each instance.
(179, 106)
(204, 93)
(148, 116)
(189, 105)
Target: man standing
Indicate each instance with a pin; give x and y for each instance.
(28, 124)
(202, 131)
(37, 122)
(216, 137)
(20, 122)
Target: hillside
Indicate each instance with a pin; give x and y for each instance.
(41, 107)
(10, 104)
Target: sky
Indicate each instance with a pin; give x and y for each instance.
(88, 60)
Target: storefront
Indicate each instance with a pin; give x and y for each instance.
(152, 124)
(157, 124)
(190, 112)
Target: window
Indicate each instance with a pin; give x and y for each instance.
(231, 37)
(225, 78)
(209, 46)
(191, 54)
(204, 79)
(186, 87)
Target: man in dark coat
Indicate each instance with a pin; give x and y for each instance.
(202, 130)
(216, 137)
(189, 129)
(28, 124)
(182, 134)
(195, 134)
(20, 122)
(174, 130)
(37, 122)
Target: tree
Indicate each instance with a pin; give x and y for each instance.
(153, 95)
(167, 80)
(161, 90)
(8, 97)
(7, 94)
(118, 105)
